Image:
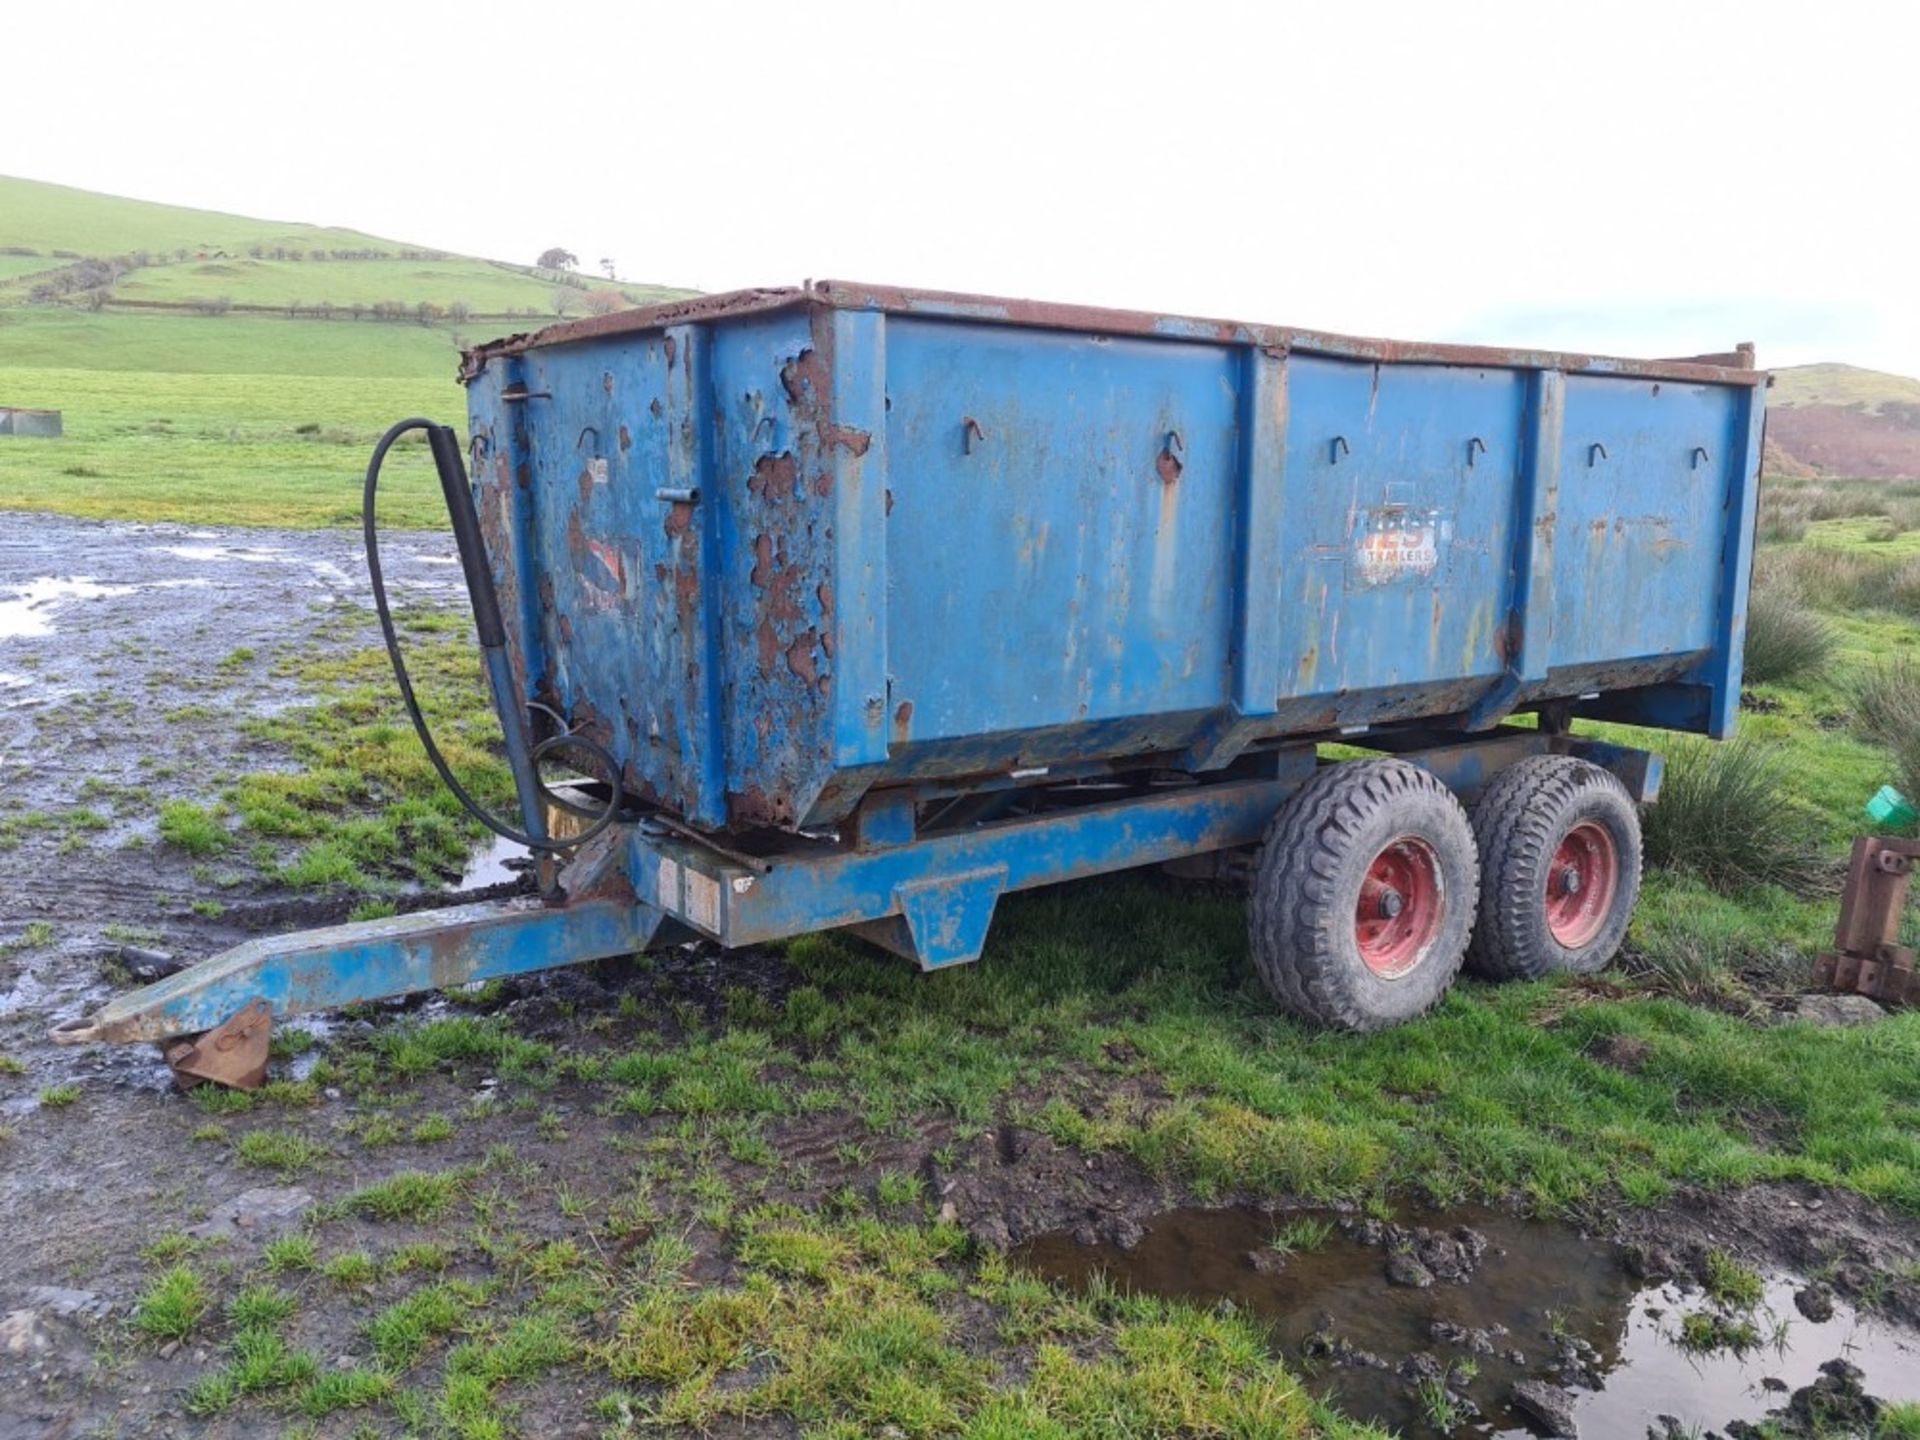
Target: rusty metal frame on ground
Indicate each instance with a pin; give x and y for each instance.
(1867, 956)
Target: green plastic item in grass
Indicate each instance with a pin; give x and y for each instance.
(1890, 807)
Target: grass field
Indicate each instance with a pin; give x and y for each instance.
(150, 343)
(238, 418)
(235, 449)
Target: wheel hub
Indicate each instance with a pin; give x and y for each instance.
(1581, 883)
(1401, 906)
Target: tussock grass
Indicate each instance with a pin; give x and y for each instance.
(410, 1195)
(1886, 711)
(1787, 639)
(261, 1307)
(1726, 813)
(172, 1305)
(287, 1151)
(193, 828)
(402, 1333)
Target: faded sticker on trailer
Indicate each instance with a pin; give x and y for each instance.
(1396, 544)
(703, 900)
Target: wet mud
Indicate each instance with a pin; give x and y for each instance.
(1512, 1303)
(131, 657)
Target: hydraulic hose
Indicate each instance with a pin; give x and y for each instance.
(522, 758)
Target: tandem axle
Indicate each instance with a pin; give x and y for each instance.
(917, 872)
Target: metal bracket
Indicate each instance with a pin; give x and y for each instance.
(1867, 956)
(940, 922)
(233, 1053)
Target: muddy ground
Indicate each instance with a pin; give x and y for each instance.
(117, 667)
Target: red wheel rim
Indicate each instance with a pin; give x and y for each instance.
(1402, 901)
(1581, 883)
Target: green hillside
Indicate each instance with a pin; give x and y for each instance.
(1831, 384)
(216, 368)
(47, 218)
(79, 250)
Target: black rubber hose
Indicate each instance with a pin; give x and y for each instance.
(546, 747)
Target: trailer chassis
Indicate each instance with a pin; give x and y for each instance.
(917, 870)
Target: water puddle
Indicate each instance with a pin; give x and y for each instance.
(26, 610)
(1539, 1303)
(255, 554)
(499, 863)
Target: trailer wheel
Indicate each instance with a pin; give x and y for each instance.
(1560, 864)
(1364, 896)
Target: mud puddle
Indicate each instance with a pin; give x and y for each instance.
(1505, 1303)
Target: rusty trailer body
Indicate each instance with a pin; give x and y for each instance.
(779, 550)
(883, 603)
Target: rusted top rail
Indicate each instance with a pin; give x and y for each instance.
(1737, 368)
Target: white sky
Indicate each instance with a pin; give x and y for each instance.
(1654, 179)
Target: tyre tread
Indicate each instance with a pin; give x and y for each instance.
(1516, 826)
(1296, 945)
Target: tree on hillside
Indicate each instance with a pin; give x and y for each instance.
(557, 259)
(606, 267)
(561, 300)
(605, 302)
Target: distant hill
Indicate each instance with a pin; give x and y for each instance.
(1841, 420)
(79, 270)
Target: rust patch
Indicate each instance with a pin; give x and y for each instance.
(847, 438)
(769, 643)
(673, 351)
(626, 439)
(774, 476)
(655, 409)
(804, 378)
(1168, 466)
(679, 519)
(772, 574)
(753, 806)
(800, 656)
(902, 722)
(606, 381)
(889, 500)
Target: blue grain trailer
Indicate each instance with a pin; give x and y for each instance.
(863, 607)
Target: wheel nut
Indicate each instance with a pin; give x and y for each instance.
(1570, 881)
(1390, 904)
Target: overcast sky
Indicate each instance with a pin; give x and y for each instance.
(1658, 179)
